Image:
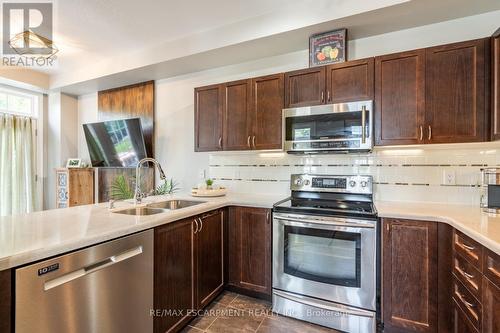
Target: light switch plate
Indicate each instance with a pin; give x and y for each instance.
(449, 177)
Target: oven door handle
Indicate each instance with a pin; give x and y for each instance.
(360, 313)
(326, 223)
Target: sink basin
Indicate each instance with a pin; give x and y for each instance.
(141, 211)
(174, 204)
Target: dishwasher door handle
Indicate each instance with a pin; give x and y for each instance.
(68, 277)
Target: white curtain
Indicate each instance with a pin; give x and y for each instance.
(17, 165)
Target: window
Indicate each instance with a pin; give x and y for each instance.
(18, 103)
(21, 151)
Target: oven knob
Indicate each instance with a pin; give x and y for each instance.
(307, 182)
(298, 181)
(364, 183)
(352, 183)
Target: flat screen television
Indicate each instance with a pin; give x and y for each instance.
(115, 143)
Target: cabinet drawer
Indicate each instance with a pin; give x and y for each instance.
(467, 302)
(461, 323)
(491, 266)
(471, 250)
(467, 274)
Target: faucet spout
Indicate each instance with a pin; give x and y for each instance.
(138, 196)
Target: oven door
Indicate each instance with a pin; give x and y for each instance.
(325, 257)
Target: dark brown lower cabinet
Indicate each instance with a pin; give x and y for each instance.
(5, 302)
(491, 307)
(174, 275)
(410, 283)
(209, 257)
(188, 269)
(249, 239)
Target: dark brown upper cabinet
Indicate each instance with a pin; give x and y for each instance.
(349, 81)
(267, 103)
(208, 103)
(400, 98)
(305, 87)
(410, 276)
(240, 115)
(344, 82)
(249, 249)
(237, 115)
(495, 84)
(455, 93)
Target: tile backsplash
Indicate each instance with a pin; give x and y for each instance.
(444, 173)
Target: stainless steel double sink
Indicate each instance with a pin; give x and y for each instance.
(159, 207)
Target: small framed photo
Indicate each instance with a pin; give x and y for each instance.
(328, 48)
(74, 163)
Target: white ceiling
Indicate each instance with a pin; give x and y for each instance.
(103, 40)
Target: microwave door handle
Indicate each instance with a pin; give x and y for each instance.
(363, 124)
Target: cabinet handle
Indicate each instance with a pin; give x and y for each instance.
(248, 141)
(328, 95)
(322, 97)
(201, 223)
(253, 142)
(363, 124)
(468, 247)
(463, 272)
(196, 230)
(220, 142)
(430, 132)
(469, 305)
(421, 133)
(267, 217)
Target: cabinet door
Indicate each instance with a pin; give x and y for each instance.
(81, 187)
(5, 301)
(208, 118)
(400, 98)
(174, 275)
(237, 115)
(491, 307)
(495, 84)
(305, 87)
(409, 276)
(267, 103)
(349, 81)
(209, 252)
(250, 249)
(455, 92)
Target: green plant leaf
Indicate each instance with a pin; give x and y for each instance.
(120, 189)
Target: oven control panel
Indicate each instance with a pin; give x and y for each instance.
(331, 183)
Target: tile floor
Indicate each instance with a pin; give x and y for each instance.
(234, 313)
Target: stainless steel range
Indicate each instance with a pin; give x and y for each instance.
(325, 248)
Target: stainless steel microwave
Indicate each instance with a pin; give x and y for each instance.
(333, 128)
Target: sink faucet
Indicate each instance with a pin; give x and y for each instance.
(138, 196)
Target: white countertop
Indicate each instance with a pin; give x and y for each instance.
(31, 237)
(471, 220)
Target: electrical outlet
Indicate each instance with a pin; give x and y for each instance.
(202, 173)
(449, 177)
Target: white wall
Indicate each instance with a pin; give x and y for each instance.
(62, 138)
(174, 96)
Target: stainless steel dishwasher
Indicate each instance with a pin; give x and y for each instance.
(104, 288)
